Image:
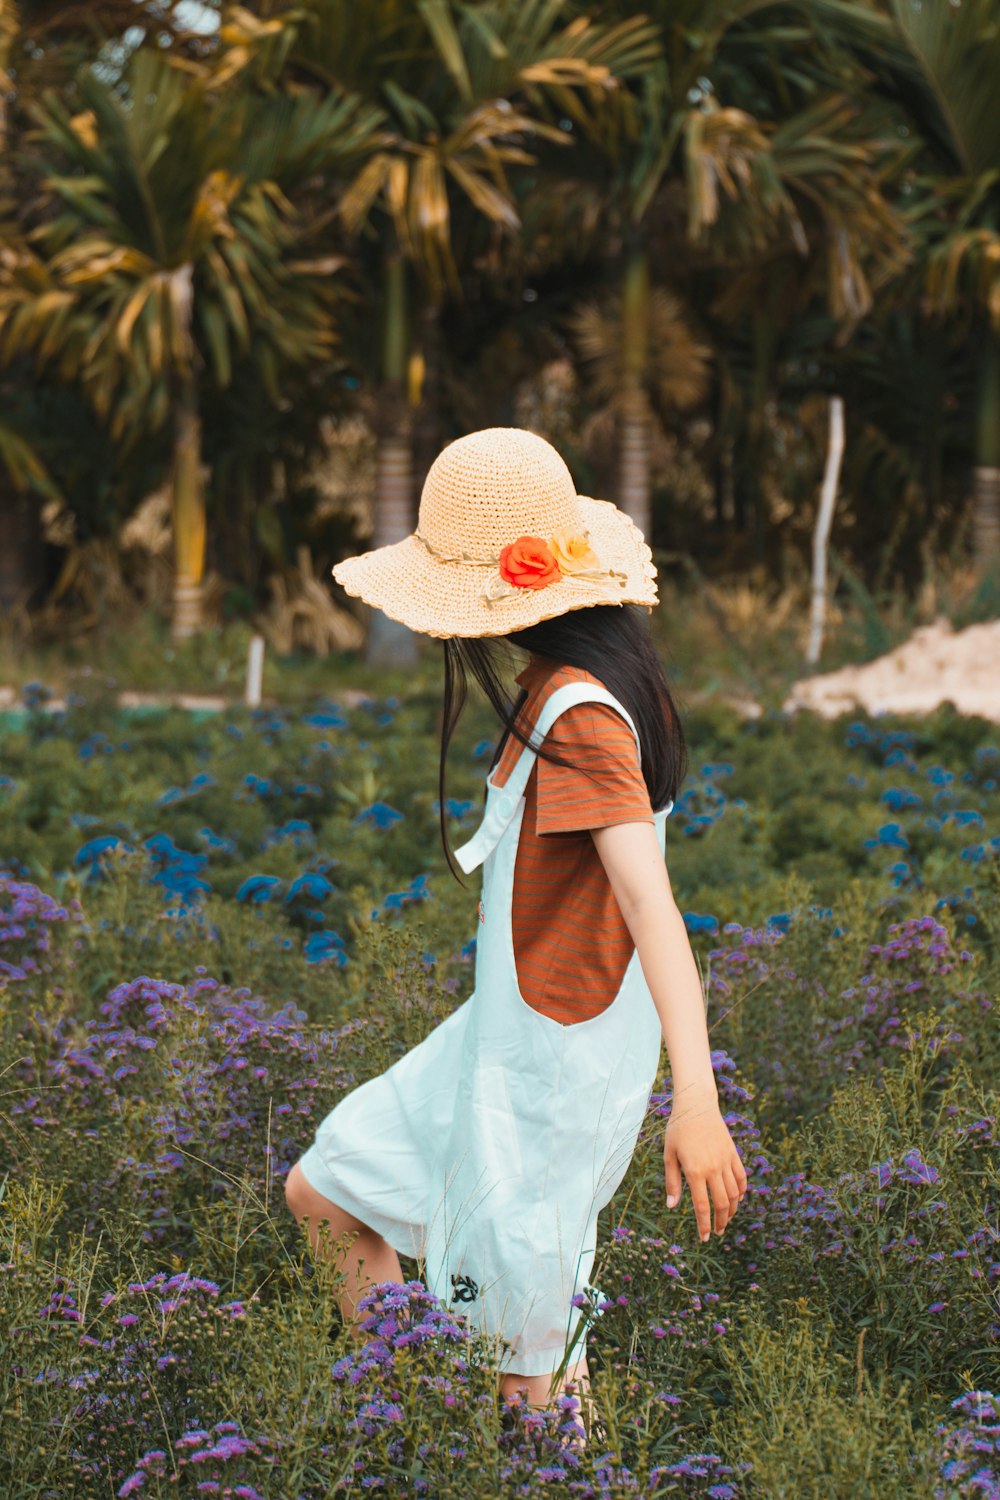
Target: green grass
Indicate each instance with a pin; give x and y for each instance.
(162, 1063)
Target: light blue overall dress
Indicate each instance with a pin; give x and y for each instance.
(489, 1149)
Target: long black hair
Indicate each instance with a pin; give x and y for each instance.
(613, 643)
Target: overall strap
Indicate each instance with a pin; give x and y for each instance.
(502, 801)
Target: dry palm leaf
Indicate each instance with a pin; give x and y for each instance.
(677, 366)
(303, 616)
(748, 611)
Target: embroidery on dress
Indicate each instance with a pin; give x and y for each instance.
(482, 911)
(465, 1289)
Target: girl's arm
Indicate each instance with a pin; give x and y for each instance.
(697, 1139)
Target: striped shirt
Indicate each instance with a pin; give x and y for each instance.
(571, 944)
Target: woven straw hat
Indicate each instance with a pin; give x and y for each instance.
(503, 541)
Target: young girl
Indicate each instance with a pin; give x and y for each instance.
(490, 1149)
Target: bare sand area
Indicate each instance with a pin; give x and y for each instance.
(936, 665)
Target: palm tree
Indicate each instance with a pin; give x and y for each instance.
(643, 356)
(947, 74)
(798, 211)
(23, 475)
(466, 91)
(744, 175)
(170, 248)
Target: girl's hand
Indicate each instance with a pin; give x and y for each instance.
(697, 1142)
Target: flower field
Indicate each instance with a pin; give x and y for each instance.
(211, 928)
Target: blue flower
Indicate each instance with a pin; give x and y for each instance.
(310, 884)
(197, 784)
(95, 744)
(416, 891)
(858, 733)
(326, 717)
(258, 888)
(162, 847)
(172, 794)
(260, 785)
(297, 831)
(897, 798)
(181, 882)
(91, 852)
(890, 836)
(323, 946)
(695, 923)
(453, 808)
(380, 814)
(894, 740)
(696, 823)
(34, 694)
(965, 818)
(219, 843)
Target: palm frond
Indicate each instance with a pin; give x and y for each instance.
(22, 466)
(956, 48)
(678, 361)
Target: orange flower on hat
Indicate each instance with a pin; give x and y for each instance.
(529, 564)
(573, 552)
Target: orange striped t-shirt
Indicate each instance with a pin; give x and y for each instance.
(571, 944)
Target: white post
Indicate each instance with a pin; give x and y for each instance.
(255, 671)
(821, 533)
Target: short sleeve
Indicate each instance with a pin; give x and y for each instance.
(604, 785)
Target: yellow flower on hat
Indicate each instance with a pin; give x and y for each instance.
(573, 552)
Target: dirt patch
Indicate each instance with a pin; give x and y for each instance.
(936, 665)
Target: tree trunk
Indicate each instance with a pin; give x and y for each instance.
(391, 644)
(634, 457)
(425, 401)
(753, 519)
(188, 515)
(986, 474)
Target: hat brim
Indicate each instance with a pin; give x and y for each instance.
(445, 599)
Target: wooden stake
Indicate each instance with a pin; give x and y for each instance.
(821, 534)
(255, 671)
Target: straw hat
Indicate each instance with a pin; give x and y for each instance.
(503, 541)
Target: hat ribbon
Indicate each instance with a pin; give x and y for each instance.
(499, 588)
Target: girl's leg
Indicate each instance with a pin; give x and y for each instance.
(538, 1390)
(367, 1258)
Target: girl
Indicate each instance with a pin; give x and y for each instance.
(489, 1150)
